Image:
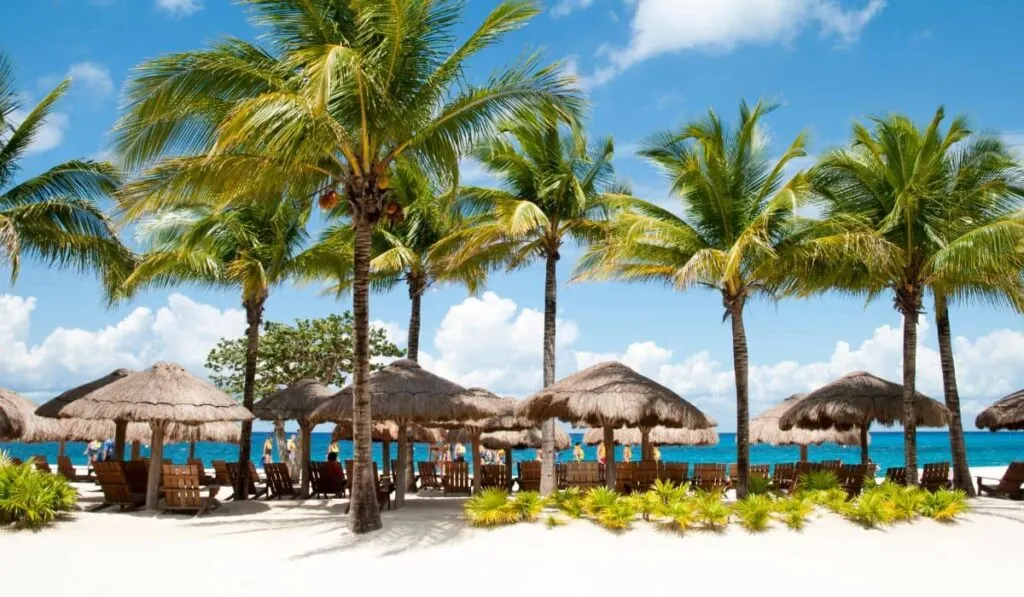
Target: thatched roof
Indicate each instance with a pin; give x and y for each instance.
(53, 407)
(521, 440)
(1006, 413)
(611, 394)
(503, 414)
(164, 392)
(388, 431)
(765, 429)
(14, 417)
(404, 391)
(860, 397)
(295, 402)
(660, 436)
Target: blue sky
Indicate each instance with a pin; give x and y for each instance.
(648, 65)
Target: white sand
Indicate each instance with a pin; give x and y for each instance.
(304, 548)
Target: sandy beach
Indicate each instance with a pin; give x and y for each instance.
(304, 547)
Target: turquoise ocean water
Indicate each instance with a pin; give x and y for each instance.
(984, 449)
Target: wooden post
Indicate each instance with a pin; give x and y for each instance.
(609, 457)
(136, 450)
(508, 467)
(385, 455)
(60, 450)
(410, 452)
(803, 452)
(864, 458)
(156, 460)
(192, 450)
(646, 455)
(477, 463)
(401, 478)
(306, 431)
(120, 430)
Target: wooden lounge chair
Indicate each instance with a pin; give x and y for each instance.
(41, 464)
(115, 487)
(220, 473)
(383, 491)
(710, 477)
(16, 462)
(204, 479)
(753, 470)
(429, 476)
(896, 474)
(495, 475)
(279, 481)
(561, 471)
(583, 475)
(323, 483)
(456, 479)
(254, 487)
(67, 470)
(624, 473)
(936, 476)
(1010, 487)
(644, 475)
(851, 478)
(255, 474)
(529, 476)
(676, 472)
(784, 476)
(137, 474)
(182, 492)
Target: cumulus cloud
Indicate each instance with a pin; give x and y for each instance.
(183, 331)
(666, 26)
(49, 135)
(94, 78)
(179, 8)
(564, 7)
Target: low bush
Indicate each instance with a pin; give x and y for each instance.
(906, 502)
(944, 505)
(554, 521)
(681, 514)
(647, 504)
(669, 492)
(819, 481)
(32, 499)
(712, 512)
(491, 507)
(754, 512)
(617, 516)
(758, 485)
(794, 511)
(871, 510)
(528, 505)
(599, 499)
(569, 501)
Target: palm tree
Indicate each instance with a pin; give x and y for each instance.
(352, 87)
(251, 248)
(738, 211)
(932, 210)
(554, 189)
(55, 216)
(416, 252)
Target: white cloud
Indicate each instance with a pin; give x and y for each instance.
(49, 135)
(95, 78)
(179, 8)
(183, 331)
(564, 7)
(666, 26)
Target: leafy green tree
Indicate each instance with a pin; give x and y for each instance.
(351, 87)
(251, 248)
(54, 217)
(555, 188)
(908, 210)
(738, 211)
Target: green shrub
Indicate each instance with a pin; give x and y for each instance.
(794, 511)
(906, 502)
(554, 521)
(617, 516)
(754, 512)
(682, 514)
(819, 481)
(569, 501)
(30, 498)
(871, 509)
(491, 507)
(944, 505)
(669, 492)
(599, 499)
(528, 505)
(758, 485)
(647, 504)
(712, 511)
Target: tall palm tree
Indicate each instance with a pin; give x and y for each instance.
(737, 212)
(55, 216)
(417, 252)
(252, 248)
(363, 84)
(555, 189)
(931, 210)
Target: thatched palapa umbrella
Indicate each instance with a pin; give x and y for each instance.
(611, 395)
(52, 410)
(522, 439)
(296, 402)
(765, 430)
(406, 393)
(659, 436)
(14, 415)
(857, 400)
(1006, 413)
(386, 432)
(163, 394)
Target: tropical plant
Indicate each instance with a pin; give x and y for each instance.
(251, 248)
(54, 217)
(528, 505)
(647, 504)
(794, 511)
(945, 505)
(819, 481)
(351, 88)
(758, 485)
(906, 502)
(491, 507)
(871, 510)
(669, 492)
(682, 513)
(599, 499)
(570, 501)
(712, 511)
(554, 521)
(617, 516)
(555, 188)
(909, 210)
(738, 207)
(754, 512)
(32, 499)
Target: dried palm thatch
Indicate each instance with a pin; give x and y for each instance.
(613, 395)
(53, 407)
(295, 402)
(166, 392)
(1006, 413)
(522, 439)
(84, 430)
(386, 431)
(502, 413)
(660, 436)
(765, 429)
(14, 415)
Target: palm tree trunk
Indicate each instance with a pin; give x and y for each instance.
(253, 317)
(547, 474)
(508, 467)
(477, 463)
(306, 433)
(909, 393)
(385, 457)
(740, 363)
(865, 458)
(156, 461)
(645, 445)
(365, 514)
(410, 452)
(191, 450)
(609, 457)
(120, 431)
(957, 446)
(803, 452)
(413, 343)
(403, 474)
(282, 444)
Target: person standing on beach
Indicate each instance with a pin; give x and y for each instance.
(268, 452)
(657, 454)
(293, 457)
(107, 450)
(627, 453)
(577, 453)
(460, 452)
(333, 449)
(600, 453)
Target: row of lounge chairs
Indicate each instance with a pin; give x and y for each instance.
(124, 485)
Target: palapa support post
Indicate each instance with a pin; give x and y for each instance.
(477, 463)
(192, 450)
(306, 433)
(803, 452)
(508, 467)
(136, 450)
(120, 430)
(864, 457)
(646, 454)
(60, 450)
(401, 480)
(410, 477)
(156, 460)
(385, 455)
(609, 457)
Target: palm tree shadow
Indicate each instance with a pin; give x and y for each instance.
(1005, 509)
